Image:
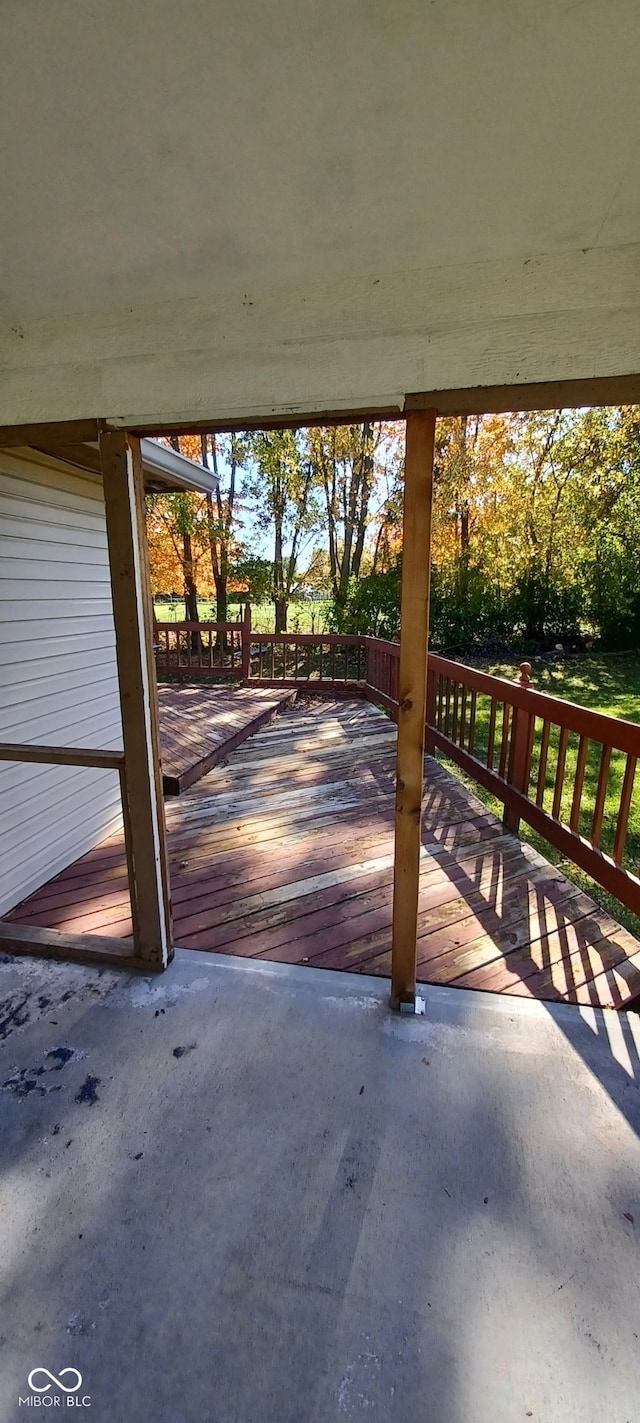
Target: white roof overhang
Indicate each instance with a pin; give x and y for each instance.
(165, 471)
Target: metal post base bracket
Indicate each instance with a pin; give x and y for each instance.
(414, 1005)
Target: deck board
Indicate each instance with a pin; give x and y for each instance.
(199, 726)
(285, 852)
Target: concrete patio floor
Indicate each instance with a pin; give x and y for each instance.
(247, 1193)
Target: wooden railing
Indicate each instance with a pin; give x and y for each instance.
(328, 660)
(382, 673)
(552, 764)
(557, 766)
(186, 650)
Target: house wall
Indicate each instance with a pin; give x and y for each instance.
(58, 677)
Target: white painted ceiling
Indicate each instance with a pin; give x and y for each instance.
(186, 187)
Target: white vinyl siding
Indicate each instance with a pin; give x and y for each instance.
(58, 678)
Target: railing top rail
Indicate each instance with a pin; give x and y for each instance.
(384, 645)
(344, 639)
(611, 731)
(198, 627)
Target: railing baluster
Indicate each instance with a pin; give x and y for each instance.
(601, 796)
(581, 762)
(542, 766)
(439, 702)
(504, 744)
(492, 733)
(625, 806)
(472, 723)
(454, 719)
(559, 781)
(463, 716)
(447, 706)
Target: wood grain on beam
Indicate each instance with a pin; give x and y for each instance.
(63, 432)
(416, 560)
(540, 395)
(61, 756)
(70, 948)
(312, 420)
(142, 785)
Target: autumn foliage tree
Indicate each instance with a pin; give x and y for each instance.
(194, 541)
(535, 531)
(282, 487)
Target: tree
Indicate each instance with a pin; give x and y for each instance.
(611, 512)
(281, 484)
(535, 527)
(184, 512)
(222, 518)
(348, 461)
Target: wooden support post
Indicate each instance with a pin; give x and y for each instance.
(133, 618)
(416, 562)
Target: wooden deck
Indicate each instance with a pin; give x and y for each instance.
(200, 726)
(285, 852)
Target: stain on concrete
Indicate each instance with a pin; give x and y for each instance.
(61, 1055)
(26, 1080)
(182, 1051)
(14, 1013)
(88, 1094)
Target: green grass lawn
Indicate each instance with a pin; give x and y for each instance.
(609, 684)
(304, 616)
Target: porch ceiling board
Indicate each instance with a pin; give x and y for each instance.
(422, 198)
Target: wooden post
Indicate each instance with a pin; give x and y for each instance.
(246, 643)
(416, 562)
(133, 617)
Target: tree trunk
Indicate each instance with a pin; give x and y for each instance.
(365, 497)
(190, 590)
(221, 598)
(280, 599)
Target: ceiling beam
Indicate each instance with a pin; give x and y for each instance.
(474, 400)
(290, 421)
(61, 432)
(539, 395)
